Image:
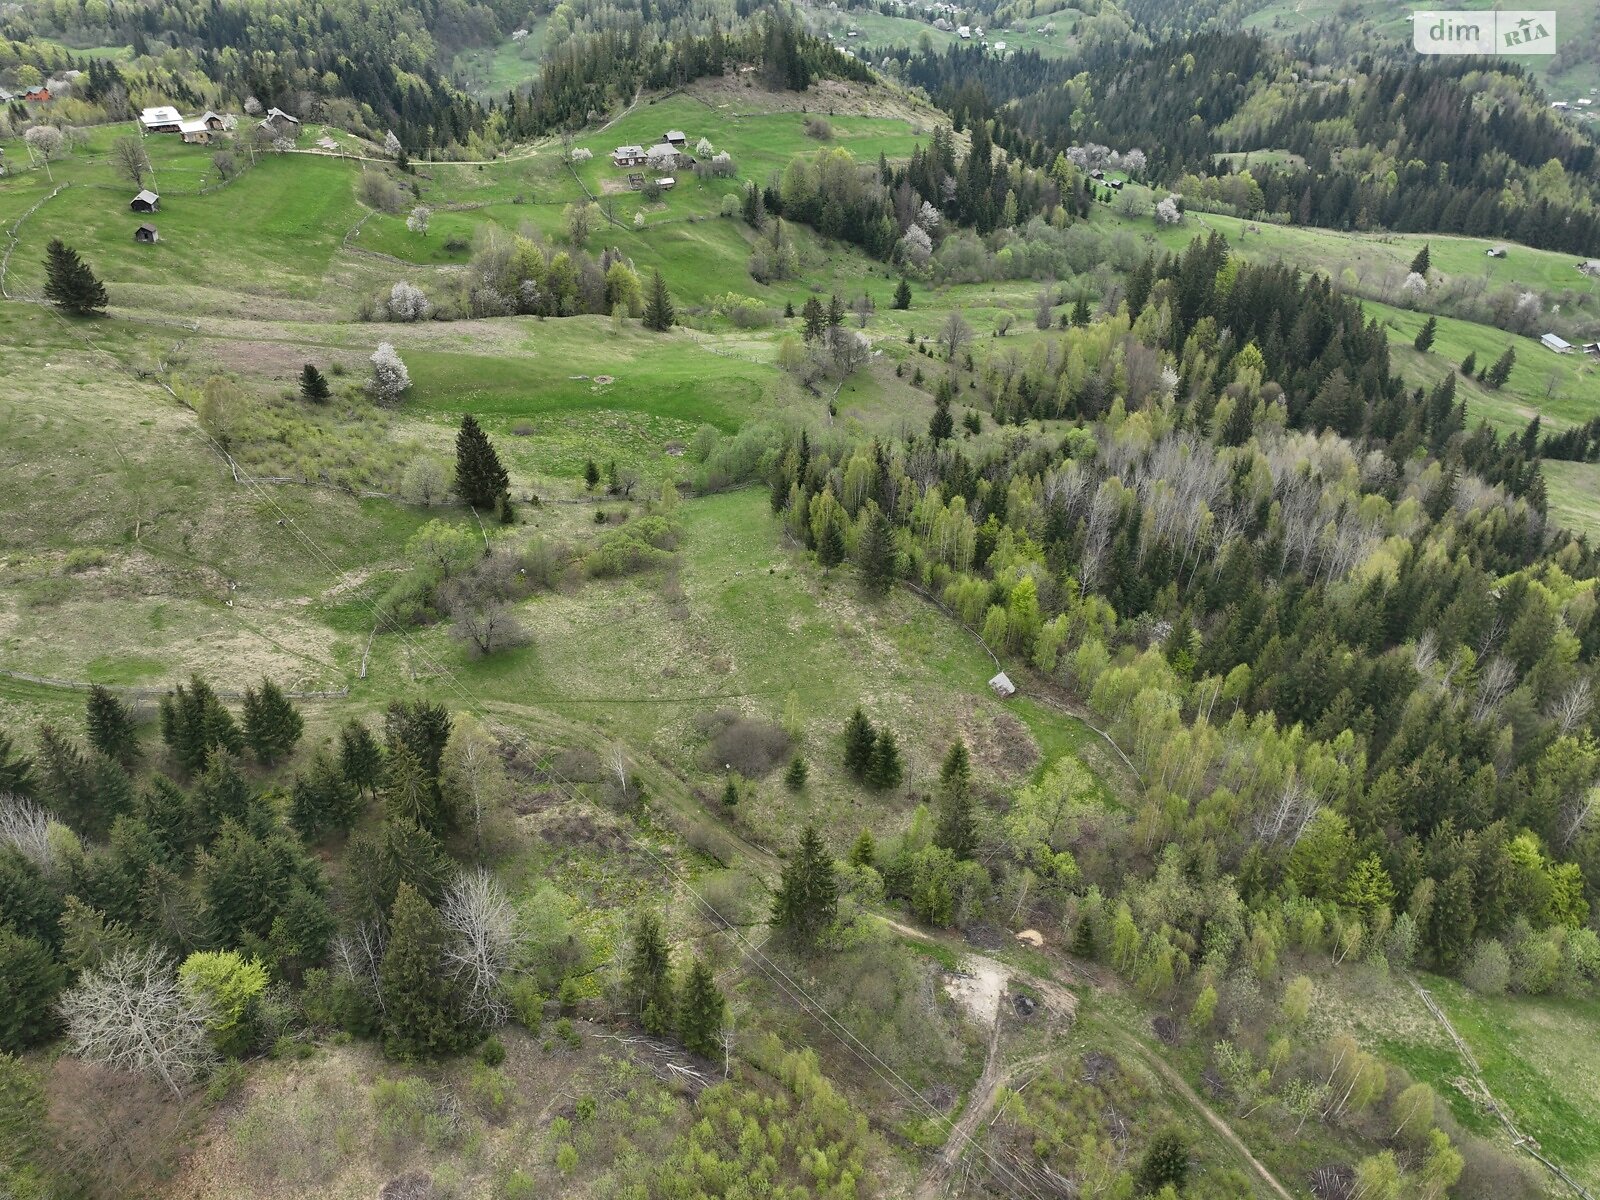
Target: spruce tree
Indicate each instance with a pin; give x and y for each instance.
(32, 979)
(111, 727)
(942, 424)
(877, 553)
(1501, 370)
(421, 1010)
(1080, 312)
(730, 792)
(314, 387)
(272, 726)
(830, 546)
(1240, 424)
(886, 770)
(480, 478)
(649, 975)
(1425, 335)
(658, 311)
(788, 310)
(902, 295)
(1165, 1162)
(194, 723)
(865, 851)
(322, 799)
(16, 769)
(795, 777)
(1469, 364)
(408, 793)
(957, 830)
(701, 1009)
(807, 903)
(591, 475)
(835, 312)
(815, 320)
(859, 739)
(69, 283)
(1422, 261)
(360, 757)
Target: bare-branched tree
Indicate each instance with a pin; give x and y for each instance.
(477, 912)
(133, 1015)
(26, 826)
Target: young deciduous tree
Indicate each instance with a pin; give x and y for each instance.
(390, 379)
(69, 283)
(807, 902)
(129, 160)
(954, 334)
(228, 987)
(132, 1014)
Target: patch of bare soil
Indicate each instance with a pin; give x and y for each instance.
(981, 991)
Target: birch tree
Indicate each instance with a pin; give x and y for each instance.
(483, 928)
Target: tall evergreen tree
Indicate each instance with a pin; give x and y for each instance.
(1422, 261)
(701, 1010)
(795, 777)
(859, 739)
(322, 799)
(69, 283)
(111, 726)
(807, 902)
(16, 768)
(942, 424)
(314, 387)
(1425, 335)
(194, 723)
(1080, 312)
(649, 975)
(30, 980)
(902, 295)
(1501, 370)
(815, 319)
(421, 1010)
(659, 314)
(957, 829)
(408, 793)
(830, 545)
(272, 725)
(360, 757)
(886, 770)
(877, 553)
(480, 478)
(1469, 364)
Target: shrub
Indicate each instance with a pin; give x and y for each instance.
(518, 1186)
(750, 746)
(1489, 970)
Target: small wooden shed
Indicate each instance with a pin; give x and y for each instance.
(146, 202)
(146, 234)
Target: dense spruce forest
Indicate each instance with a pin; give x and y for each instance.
(1357, 680)
(1442, 146)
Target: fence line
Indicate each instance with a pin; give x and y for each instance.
(155, 693)
(1519, 1139)
(16, 229)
